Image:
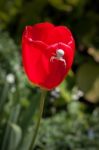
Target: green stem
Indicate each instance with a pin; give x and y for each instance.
(43, 94)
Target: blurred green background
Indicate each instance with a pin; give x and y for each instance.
(71, 115)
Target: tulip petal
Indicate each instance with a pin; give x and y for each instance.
(58, 71)
(35, 61)
(41, 31)
(60, 34)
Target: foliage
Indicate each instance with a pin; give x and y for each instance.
(70, 119)
(70, 131)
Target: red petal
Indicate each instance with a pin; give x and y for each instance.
(61, 34)
(39, 31)
(34, 60)
(50, 34)
(58, 71)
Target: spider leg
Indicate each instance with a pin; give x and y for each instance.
(63, 60)
(52, 58)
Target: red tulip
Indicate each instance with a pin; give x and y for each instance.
(48, 53)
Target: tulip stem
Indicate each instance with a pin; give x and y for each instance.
(41, 106)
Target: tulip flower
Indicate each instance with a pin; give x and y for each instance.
(48, 53)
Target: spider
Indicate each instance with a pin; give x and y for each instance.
(59, 56)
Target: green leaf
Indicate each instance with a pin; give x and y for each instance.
(4, 96)
(16, 135)
(27, 116)
(88, 81)
(26, 122)
(7, 139)
(61, 5)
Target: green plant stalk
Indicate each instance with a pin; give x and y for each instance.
(43, 95)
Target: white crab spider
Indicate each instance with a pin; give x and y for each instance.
(59, 56)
